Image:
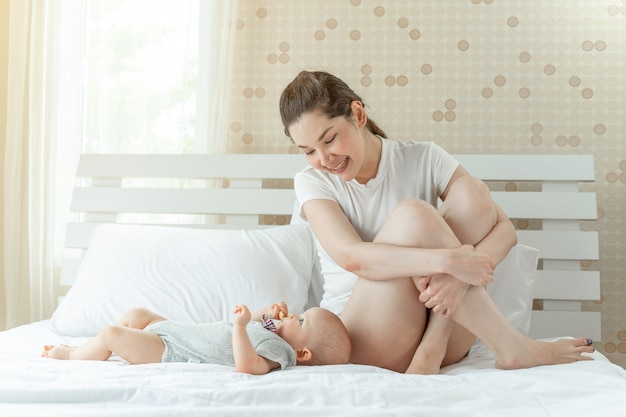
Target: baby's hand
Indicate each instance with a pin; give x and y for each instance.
(242, 314)
(278, 311)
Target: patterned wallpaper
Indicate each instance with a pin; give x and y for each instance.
(476, 76)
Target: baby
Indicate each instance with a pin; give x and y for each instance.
(253, 344)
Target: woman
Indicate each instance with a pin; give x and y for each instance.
(419, 300)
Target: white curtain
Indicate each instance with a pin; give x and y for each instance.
(33, 155)
(46, 112)
(215, 70)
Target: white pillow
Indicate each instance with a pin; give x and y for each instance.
(192, 275)
(512, 289)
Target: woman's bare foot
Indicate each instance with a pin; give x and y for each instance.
(537, 353)
(57, 352)
(426, 361)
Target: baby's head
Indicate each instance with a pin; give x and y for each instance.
(318, 337)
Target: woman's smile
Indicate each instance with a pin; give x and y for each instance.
(339, 169)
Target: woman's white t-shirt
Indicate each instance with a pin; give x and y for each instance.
(406, 170)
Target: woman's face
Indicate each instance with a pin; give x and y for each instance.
(332, 145)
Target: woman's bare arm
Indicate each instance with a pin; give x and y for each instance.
(500, 240)
(379, 261)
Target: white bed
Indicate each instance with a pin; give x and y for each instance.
(197, 273)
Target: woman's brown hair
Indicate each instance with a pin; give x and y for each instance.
(318, 90)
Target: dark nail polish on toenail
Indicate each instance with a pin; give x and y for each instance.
(589, 342)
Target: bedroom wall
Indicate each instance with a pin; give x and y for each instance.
(476, 76)
(4, 61)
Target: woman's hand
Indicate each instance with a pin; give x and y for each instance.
(242, 315)
(470, 266)
(442, 293)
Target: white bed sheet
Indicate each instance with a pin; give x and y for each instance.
(34, 386)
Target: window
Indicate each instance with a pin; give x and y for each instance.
(150, 75)
(141, 69)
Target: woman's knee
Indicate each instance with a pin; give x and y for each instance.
(469, 209)
(416, 223)
(414, 212)
(410, 222)
(471, 193)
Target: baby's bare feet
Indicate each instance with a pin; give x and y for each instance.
(549, 353)
(57, 352)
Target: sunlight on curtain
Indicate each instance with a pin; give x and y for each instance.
(124, 76)
(32, 157)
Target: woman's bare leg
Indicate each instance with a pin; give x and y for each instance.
(469, 215)
(386, 321)
(395, 303)
(511, 348)
(469, 210)
(477, 315)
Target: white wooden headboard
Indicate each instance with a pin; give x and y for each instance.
(238, 189)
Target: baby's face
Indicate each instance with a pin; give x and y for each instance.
(297, 329)
(293, 328)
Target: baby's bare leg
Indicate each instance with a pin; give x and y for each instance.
(133, 345)
(139, 318)
(127, 339)
(57, 351)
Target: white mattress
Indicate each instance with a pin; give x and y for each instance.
(34, 386)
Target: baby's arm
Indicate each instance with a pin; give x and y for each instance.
(246, 358)
(278, 311)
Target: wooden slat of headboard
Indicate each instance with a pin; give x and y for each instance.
(486, 167)
(525, 205)
(517, 167)
(547, 205)
(566, 323)
(567, 285)
(556, 244)
(179, 200)
(233, 166)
